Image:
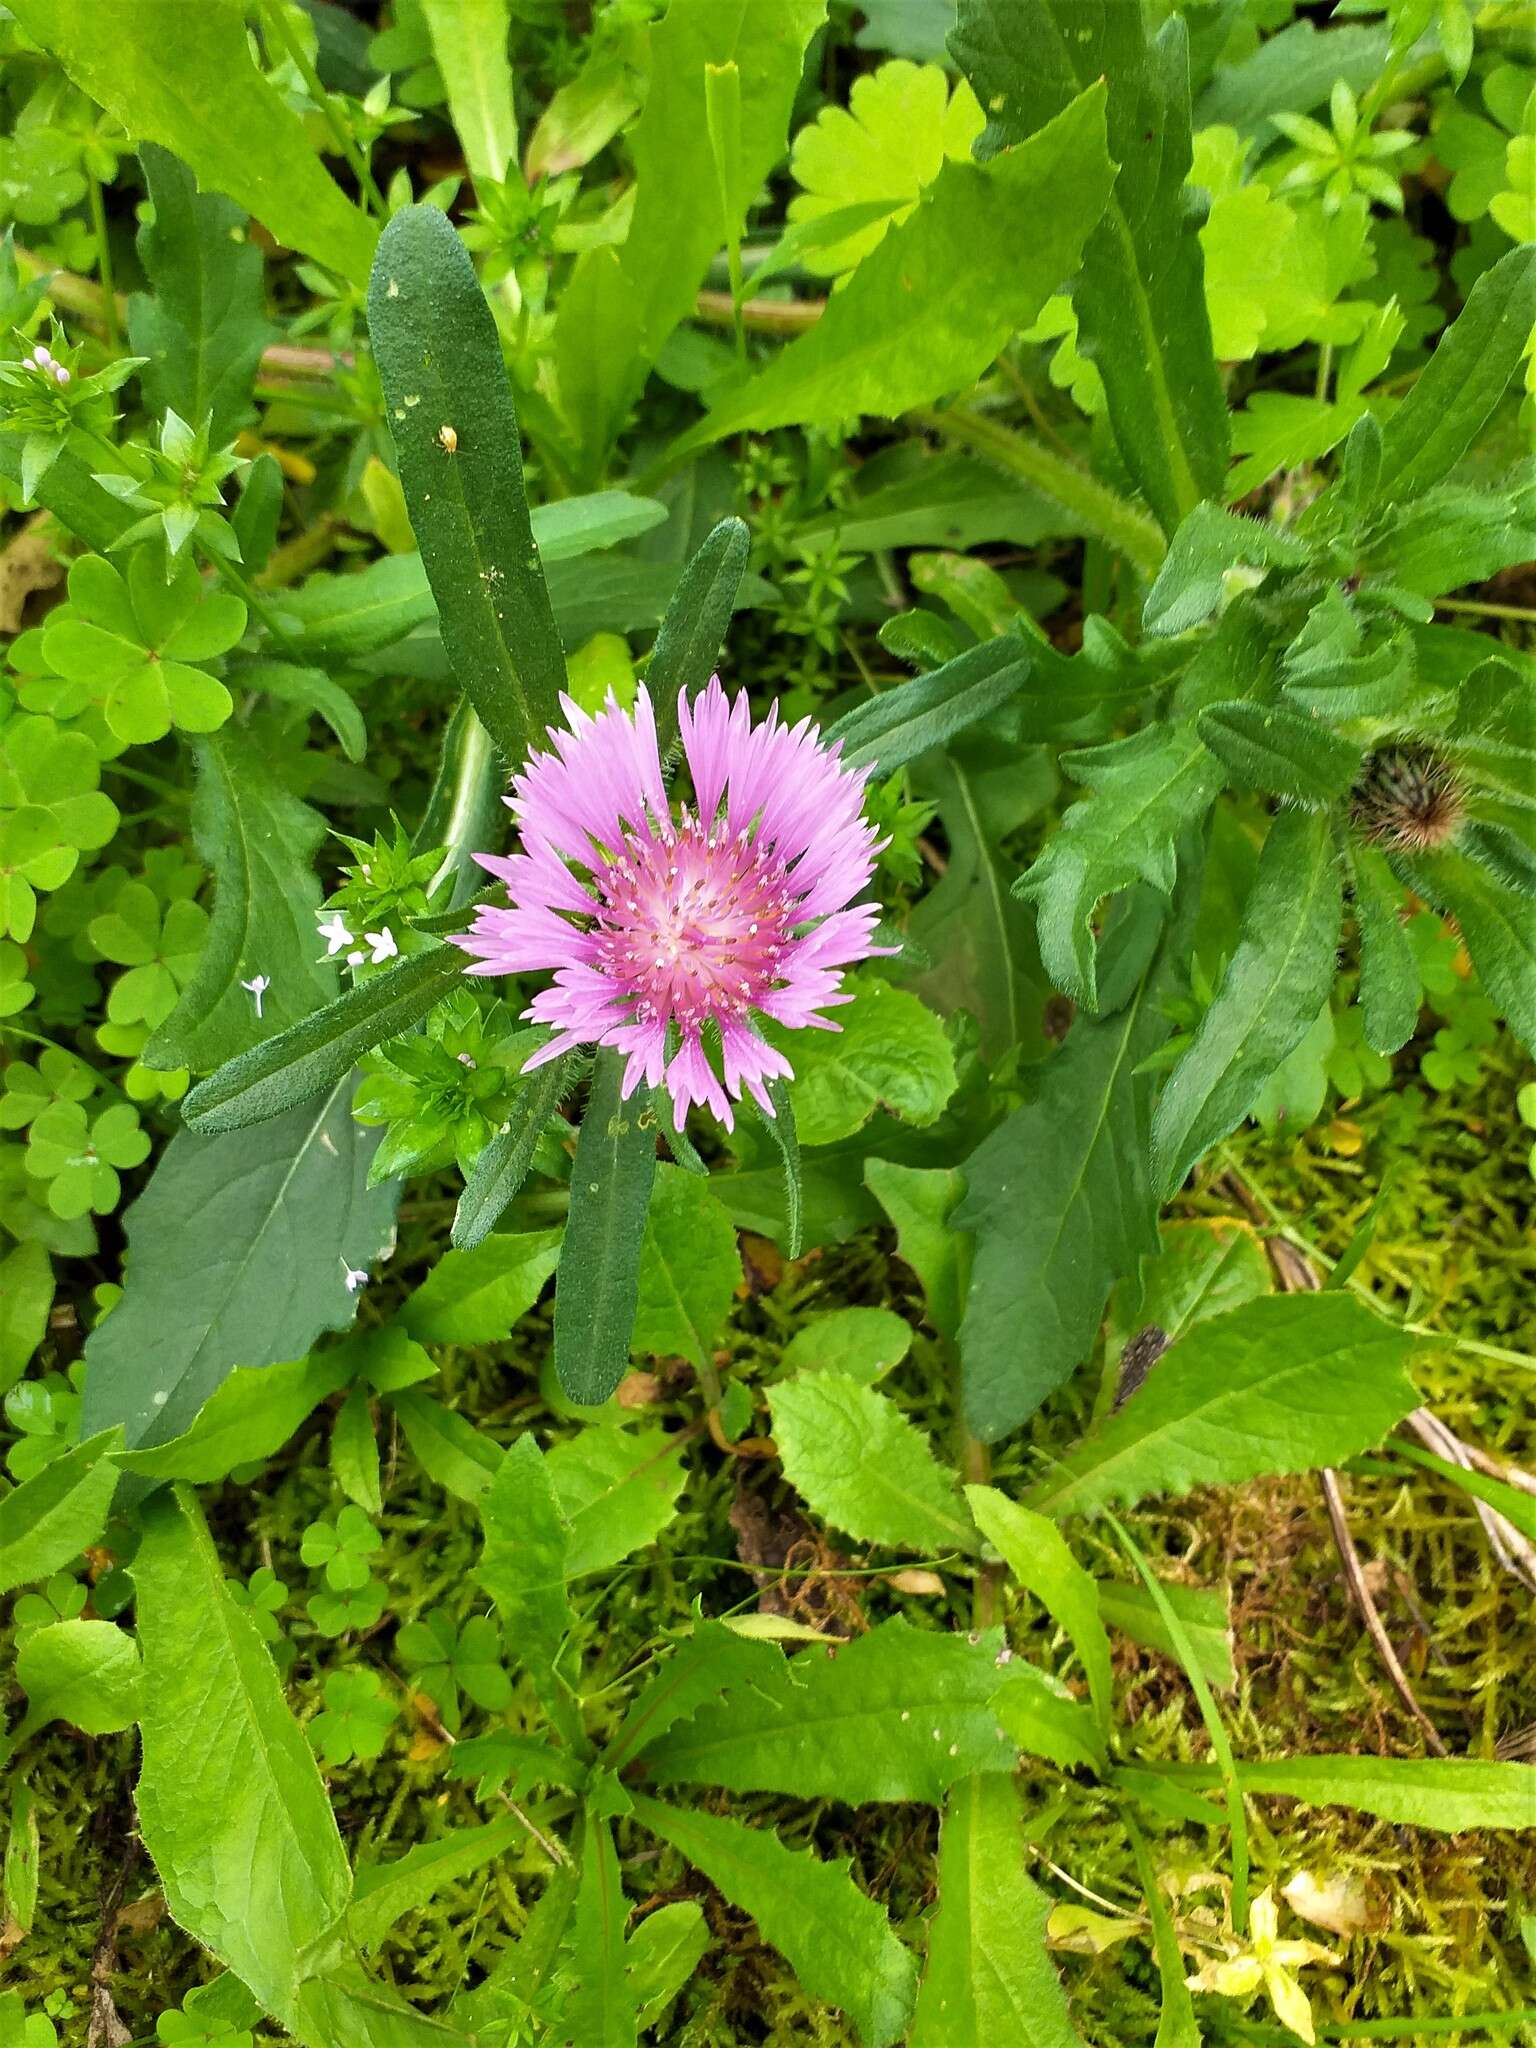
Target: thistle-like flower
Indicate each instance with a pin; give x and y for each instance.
(667, 933)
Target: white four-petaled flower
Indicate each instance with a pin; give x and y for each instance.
(383, 944)
(335, 934)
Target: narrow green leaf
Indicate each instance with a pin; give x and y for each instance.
(1059, 1198)
(1176, 2023)
(205, 326)
(49, 1519)
(1204, 1615)
(901, 724)
(22, 1848)
(695, 623)
(26, 1296)
(662, 1955)
(690, 1266)
(1275, 984)
(597, 1288)
(600, 2007)
(504, 1165)
(240, 1250)
(1452, 1795)
(1208, 544)
(522, 1564)
(1140, 297)
(989, 1978)
(260, 842)
(1390, 989)
(230, 1801)
(1467, 376)
(183, 77)
(704, 1666)
(355, 1452)
(780, 1128)
(469, 42)
(316, 1054)
(456, 437)
(1036, 1552)
(1283, 1384)
(857, 1462)
(448, 1447)
(1497, 925)
(1281, 752)
(839, 1944)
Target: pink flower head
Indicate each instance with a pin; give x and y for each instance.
(657, 927)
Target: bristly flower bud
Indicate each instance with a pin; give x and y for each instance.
(1408, 800)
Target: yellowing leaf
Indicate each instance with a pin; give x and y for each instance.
(900, 124)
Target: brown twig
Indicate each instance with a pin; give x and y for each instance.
(1375, 1628)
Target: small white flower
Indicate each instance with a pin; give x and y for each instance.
(335, 934)
(353, 1277)
(356, 959)
(258, 986)
(60, 374)
(383, 944)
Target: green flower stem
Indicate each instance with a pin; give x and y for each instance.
(1120, 524)
(104, 265)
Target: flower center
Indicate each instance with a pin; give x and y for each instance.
(693, 922)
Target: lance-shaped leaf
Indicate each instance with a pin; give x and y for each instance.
(1143, 791)
(600, 2006)
(1453, 1795)
(522, 1565)
(1465, 378)
(1284, 1383)
(694, 625)
(49, 1519)
(1280, 752)
(1498, 926)
(899, 725)
(838, 1943)
(1059, 1197)
(1390, 988)
(204, 329)
(1036, 1552)
(461, 465)
(184, 77)
(469, 42)
(597, 1285)
(989, 1978)
(1275, 984)
(259, 840)
(503, 1166)
(314, 1055)
(241, 1247)
(230, 1800)
(1141, 296)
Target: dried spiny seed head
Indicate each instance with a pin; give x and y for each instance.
(1408, 799)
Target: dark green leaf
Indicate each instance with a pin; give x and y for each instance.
(1390, 991)
(600, 2007)
(503, 1166)
(989, 1978)
(1280, 752)
(318, 1053)
(839, 1943)
(1140, 297)
(899, 725)
(1282, 1384)
(597, 1287)
(441, 366)
(260, 842)
(1496, 923)
(204, 329)
(240, 1248)
(695, 623)
(1059, 1197)
(1455, 394)
(1452, 1795)
(1208, 543)
(1275, 984)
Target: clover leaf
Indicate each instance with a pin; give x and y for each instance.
(79, 1160)
(446, 1661)
(52, 813)
(159, 945)
(140, 642)
(356, 1719)
(343, 1548)
(28, 1090)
